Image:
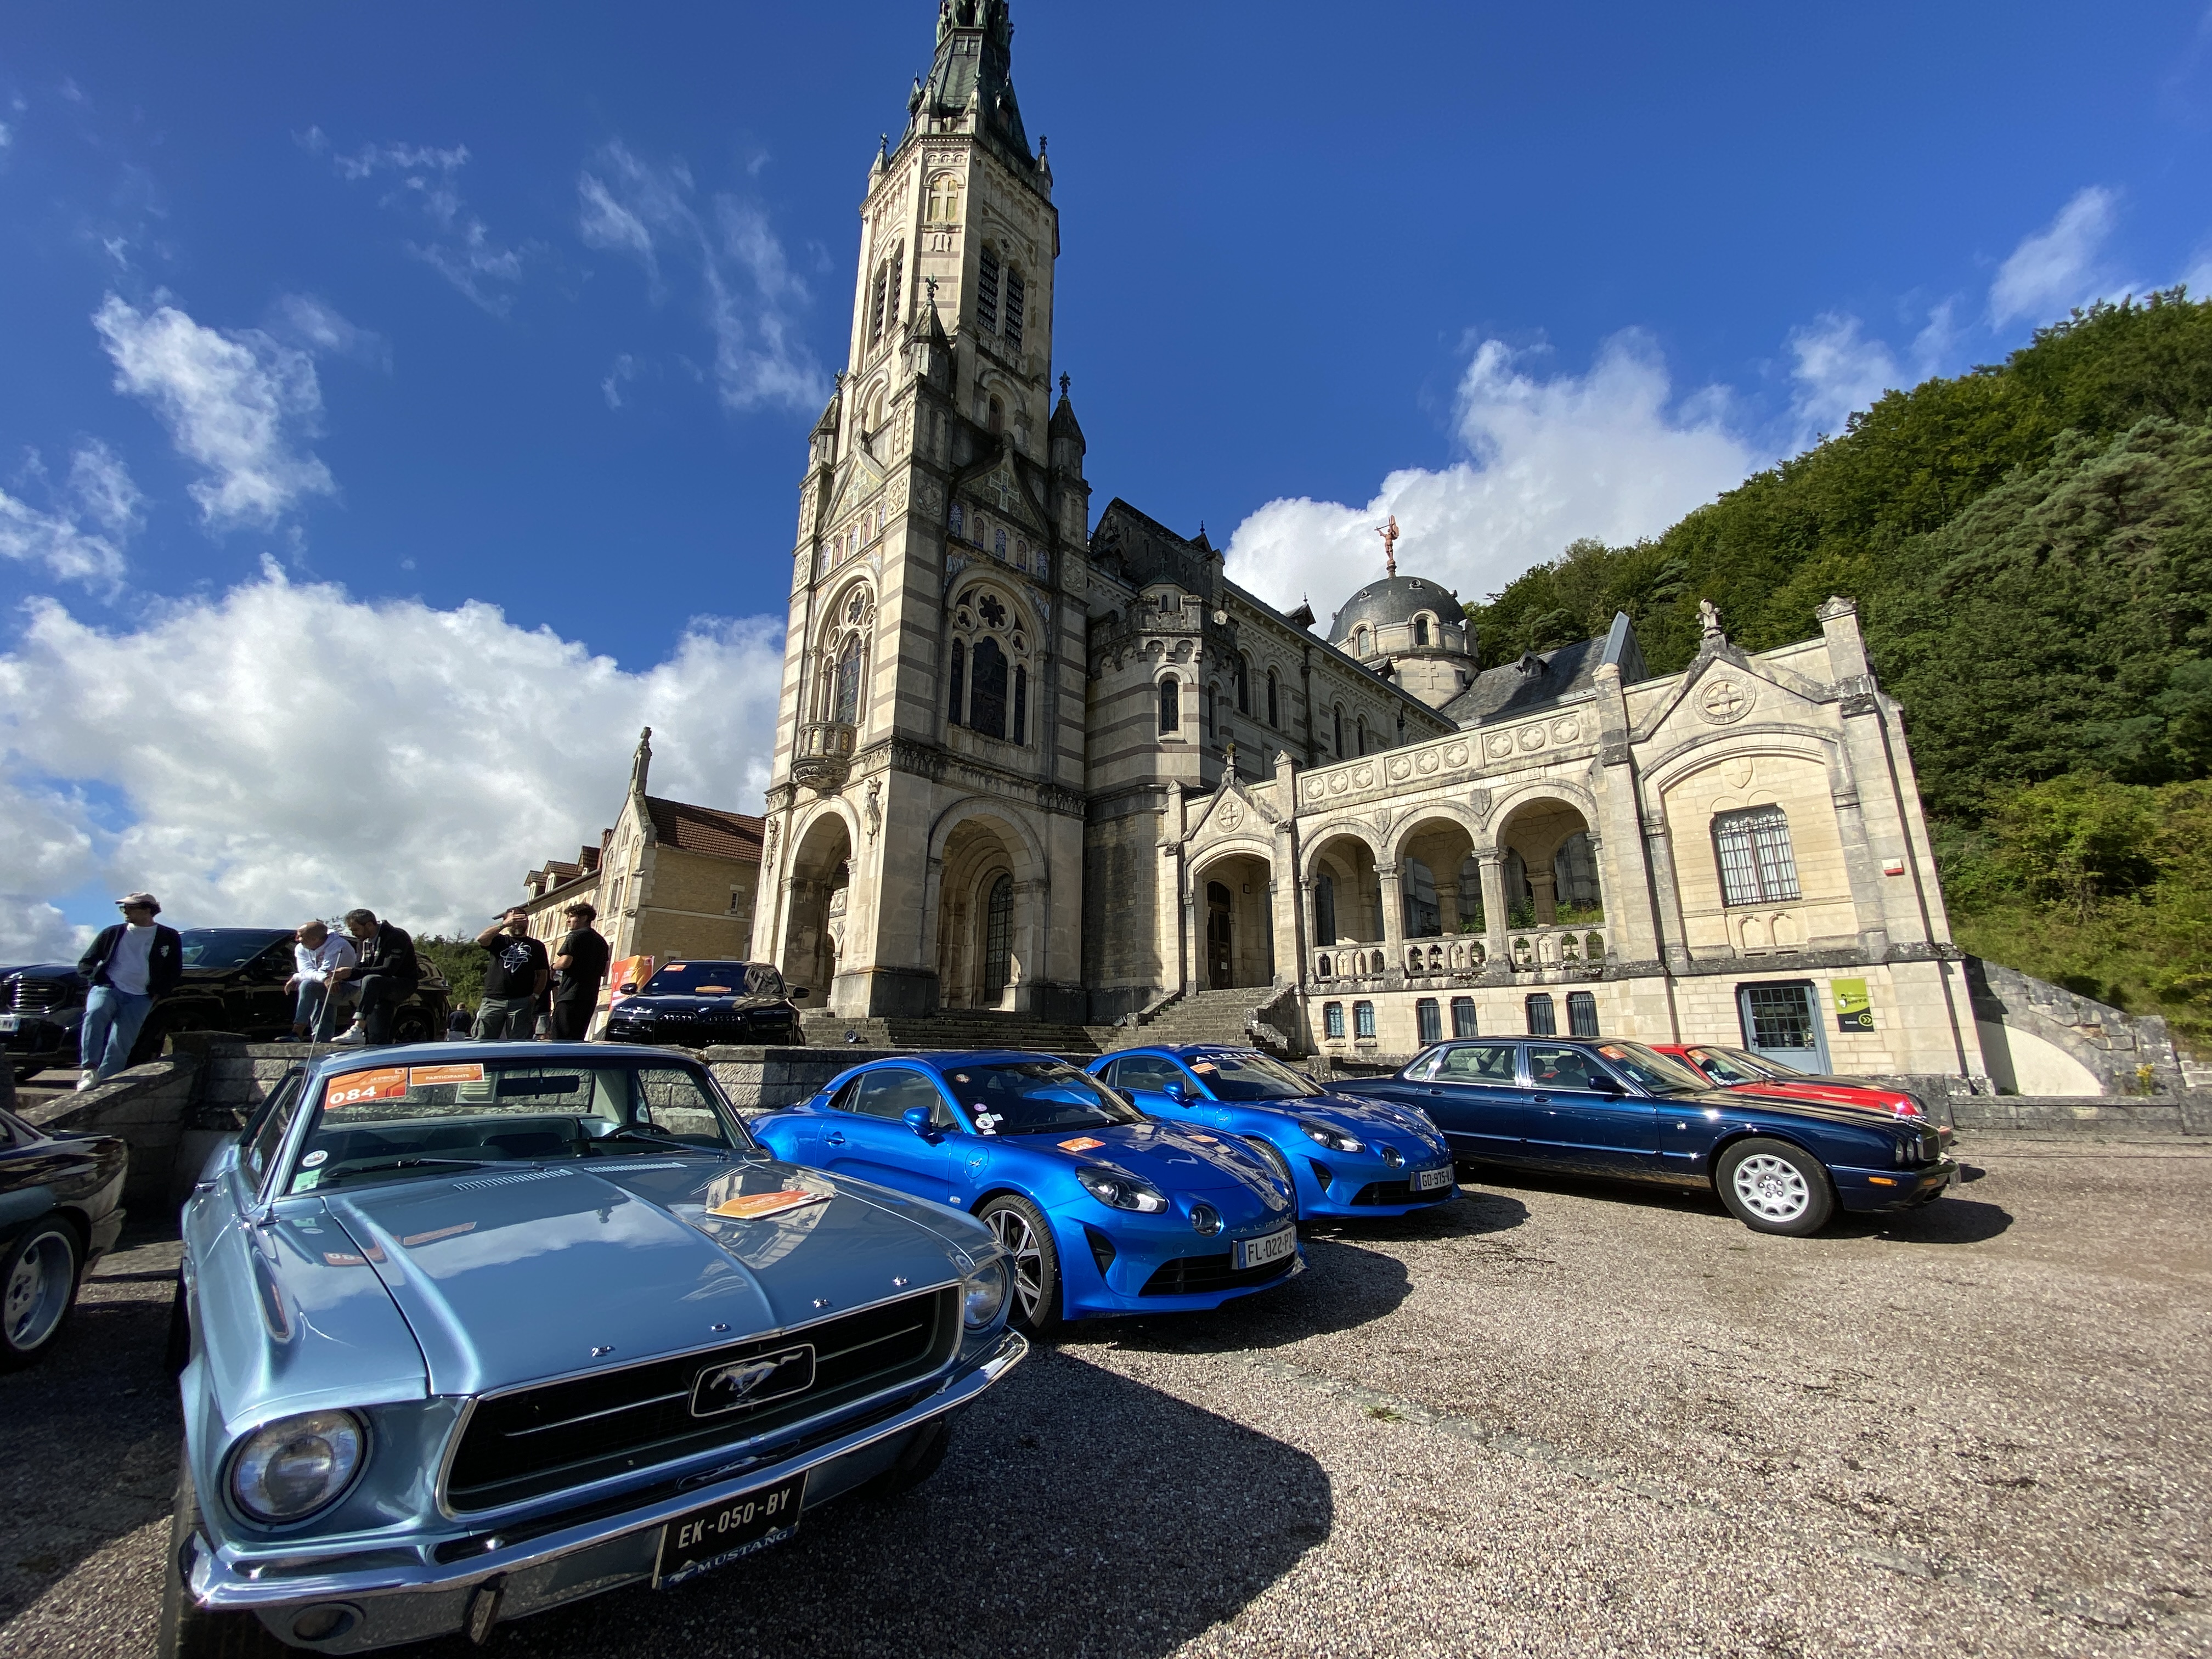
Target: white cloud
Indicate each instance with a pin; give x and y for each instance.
(2059, 266)
(1611, 454)
(238, 405)
(748, 292)
(463, 249)
(82, 535)
(1839, 370)
(316, 326)
(285, 751)
(624, 371)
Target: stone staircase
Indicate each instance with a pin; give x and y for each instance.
(954, 1029)
(1218, 1017)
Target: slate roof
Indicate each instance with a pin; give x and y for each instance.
(706, 830)
(1515, 689)
(1391, 600)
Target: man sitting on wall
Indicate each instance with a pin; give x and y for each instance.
(385, 976)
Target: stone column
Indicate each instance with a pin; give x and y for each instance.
(1494, 941)
(1544, 885)
(1028, 942)
(1393, 916)
(1659, 853)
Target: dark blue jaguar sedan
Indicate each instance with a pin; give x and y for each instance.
(1622, 1110)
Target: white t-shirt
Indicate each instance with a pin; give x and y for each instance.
(126, 966)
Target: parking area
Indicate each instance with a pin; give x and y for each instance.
(1549, 1420)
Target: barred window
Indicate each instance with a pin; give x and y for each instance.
(1581, 1014)
(1332, 1019)
(987, 291)
(1463, 1017)
(875, 304)
(1363, 1019)
(1757, 867)
(1430, 1018)
(1015, 292)
(1542, 1020)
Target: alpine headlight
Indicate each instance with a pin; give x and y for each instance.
(983, 1294)
(1336, 1139)
(295, 1465)
(1120, 1192)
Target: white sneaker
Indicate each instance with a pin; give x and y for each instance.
(86, 1082)
(353, 1036)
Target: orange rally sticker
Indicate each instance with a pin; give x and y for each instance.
(1080, 1144)
(436, 1233)
(1206, 1140)
(750, 1206)
(429, 1077)
(390, 1084)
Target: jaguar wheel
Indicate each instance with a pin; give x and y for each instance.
(1772, 1187)
(38, 1288)
(1021, 1227)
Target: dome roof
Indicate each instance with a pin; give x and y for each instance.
(1393, 600)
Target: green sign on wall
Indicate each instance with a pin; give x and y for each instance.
(1854, 1008)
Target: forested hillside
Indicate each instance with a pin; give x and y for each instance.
(2031, 548)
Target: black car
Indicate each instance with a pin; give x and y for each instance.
(699, 1005)
(59, 1213)
(234, 982)
(1622, 1110)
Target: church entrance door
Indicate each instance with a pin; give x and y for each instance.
(1220, 956)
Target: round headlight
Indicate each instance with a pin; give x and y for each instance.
(1393, 1157)
(984, 1294)
(297, 1465)
(1206, 1218)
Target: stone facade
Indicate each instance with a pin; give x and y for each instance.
(1028, 763)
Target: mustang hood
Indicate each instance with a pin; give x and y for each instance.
(519, 1273)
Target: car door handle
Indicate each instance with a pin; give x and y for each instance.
(1541, 1100)
(834, 1140)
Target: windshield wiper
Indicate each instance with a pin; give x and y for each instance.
(626, 1132)
(418, 1162)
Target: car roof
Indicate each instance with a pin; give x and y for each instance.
(448, 1054)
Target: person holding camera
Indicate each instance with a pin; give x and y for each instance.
(517, 974)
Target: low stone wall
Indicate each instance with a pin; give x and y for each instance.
(148, 1106)
(762, 1079)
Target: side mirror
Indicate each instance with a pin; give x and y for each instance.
(628, 990)
(918, 1120)
(1607, 1085)
(798, 993)
(1179, 1093)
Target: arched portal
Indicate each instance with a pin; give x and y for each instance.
(1439, 878)
(1549, 865)
(1236, 933)
(820, 877)
(985, 918)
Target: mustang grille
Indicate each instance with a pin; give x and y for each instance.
(540, 1440)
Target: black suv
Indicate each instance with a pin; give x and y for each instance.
(699, 1005)
(234, 982)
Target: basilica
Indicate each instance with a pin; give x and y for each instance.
(1045, 759)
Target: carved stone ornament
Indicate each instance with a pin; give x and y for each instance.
(768, 847)
(1230, 817)
(1480, 801)
(871, 807)
(1724, 702)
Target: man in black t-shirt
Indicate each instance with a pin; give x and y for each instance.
(581, 958)
(518, 971)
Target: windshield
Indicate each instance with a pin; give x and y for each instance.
(225, 947)
(1247, 1074)
(1034, 1096)
(1662, 1074)
(715, 979)
(1758, 1065)
(394, 1122)
(1725, 1067)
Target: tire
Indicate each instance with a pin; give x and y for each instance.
(920, 1459)
(188, 1630)
(1772, 1187)
(411, 1025)
(1275, 1160)
(39, 1276)
(1021, 1227)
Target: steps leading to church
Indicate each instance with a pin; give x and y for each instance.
(952, 1029)
(1214, 1017)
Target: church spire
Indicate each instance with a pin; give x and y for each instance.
(970, 86)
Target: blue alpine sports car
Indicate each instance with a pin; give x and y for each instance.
(1103, 1210)
(1341, 1157)
(471, 1331)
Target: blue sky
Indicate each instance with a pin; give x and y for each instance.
(313, 360)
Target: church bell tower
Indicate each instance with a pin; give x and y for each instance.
(925, 815)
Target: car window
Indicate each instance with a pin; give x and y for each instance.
(1717, 1064)
(1152, 1072)
(888, 1094)
(707, 979)
(266, 1134)
(1247, 1074)
(1762, 1069)
(1563, 1068)
(1662, 1074)
(13, 1132)
(763, 982)
(222, 947)
(1478, 1062)
(1036, 1096)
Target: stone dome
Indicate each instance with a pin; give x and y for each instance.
(1394, 601)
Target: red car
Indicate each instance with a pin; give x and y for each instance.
(1736, 1068)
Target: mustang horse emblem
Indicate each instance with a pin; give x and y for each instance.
(748, 1382)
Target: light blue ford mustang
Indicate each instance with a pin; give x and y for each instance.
(1344, 1157)
(1102, 1210)
(470, 1331)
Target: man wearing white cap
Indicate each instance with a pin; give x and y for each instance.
(128, 966)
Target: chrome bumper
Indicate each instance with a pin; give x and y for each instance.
(395, 1602)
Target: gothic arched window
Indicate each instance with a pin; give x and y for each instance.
(1336, 724)
(1324, 908)
(1171, 705)
(1274, 716)
(1363, 734)
(986, 689)
(1244, 685)
(994, 417)
(958, 707)
(1206, 708)
(1420, 630)
(945, 200)
(848, 707)
(999, 935)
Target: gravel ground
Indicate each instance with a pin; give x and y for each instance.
(1550, 1419)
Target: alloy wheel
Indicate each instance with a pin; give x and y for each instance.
(38, 1293)
(1772, 1188)
(1013, 1231)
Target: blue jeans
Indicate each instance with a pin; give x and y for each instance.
(318, 1007)
(112, 1019)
